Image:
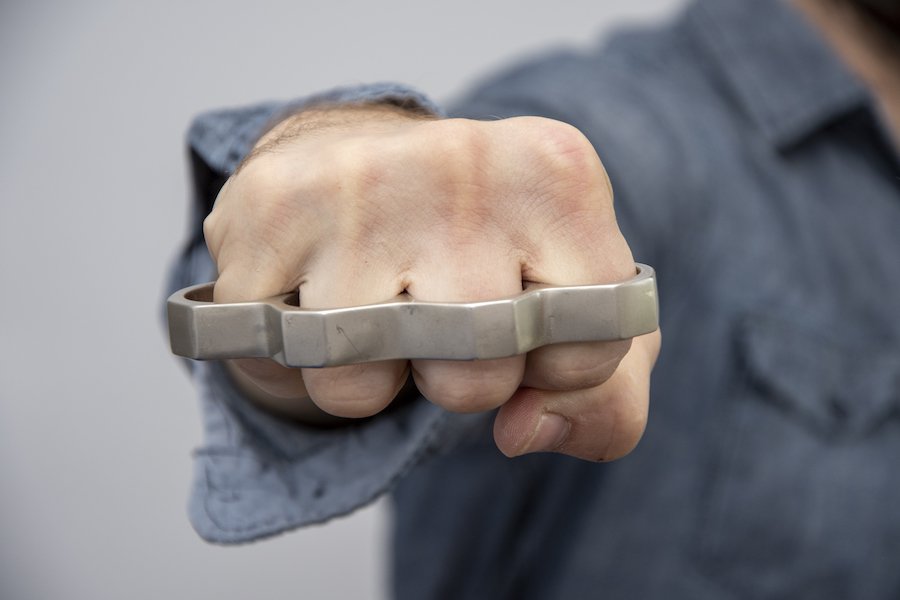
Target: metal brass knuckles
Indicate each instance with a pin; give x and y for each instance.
(404, 328)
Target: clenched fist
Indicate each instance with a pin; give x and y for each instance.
(355, 205)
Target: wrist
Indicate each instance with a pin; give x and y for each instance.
(355, 117)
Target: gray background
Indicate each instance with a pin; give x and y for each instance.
(97, 421)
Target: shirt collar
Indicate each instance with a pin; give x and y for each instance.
(789, 82)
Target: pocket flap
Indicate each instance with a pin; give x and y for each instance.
(834, 388)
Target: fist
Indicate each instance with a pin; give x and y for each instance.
(357, 205)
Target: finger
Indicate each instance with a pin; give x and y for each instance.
(580, 258)
(573, 366)
(282, 389)
(578, 243)
(277, 389)
(600, 423)
(251, 232)
(344, 277)
(469, 386)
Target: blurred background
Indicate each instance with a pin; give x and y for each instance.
(97, 420)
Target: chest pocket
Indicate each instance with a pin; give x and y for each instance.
(834, 390)
(804, 499)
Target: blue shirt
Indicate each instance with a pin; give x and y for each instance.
(751, 169)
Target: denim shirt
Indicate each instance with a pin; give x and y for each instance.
(751, 169)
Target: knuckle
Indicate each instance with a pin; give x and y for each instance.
(568, 166)
(564, 178)
(562, 148)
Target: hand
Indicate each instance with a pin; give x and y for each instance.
(356, 205)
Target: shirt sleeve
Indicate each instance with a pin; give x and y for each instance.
(257, 475)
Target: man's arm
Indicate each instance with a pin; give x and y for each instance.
(450, 210)
(257, 475)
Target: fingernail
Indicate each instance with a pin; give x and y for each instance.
(551, 432)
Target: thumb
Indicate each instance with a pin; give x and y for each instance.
(600, 423)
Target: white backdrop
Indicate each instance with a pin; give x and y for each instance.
(97, 421)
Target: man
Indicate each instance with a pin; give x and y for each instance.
(752, 149)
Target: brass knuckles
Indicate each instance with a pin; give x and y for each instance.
(404, 328)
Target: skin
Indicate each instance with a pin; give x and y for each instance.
(354, 205)
(865, 34)
(446, 210)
